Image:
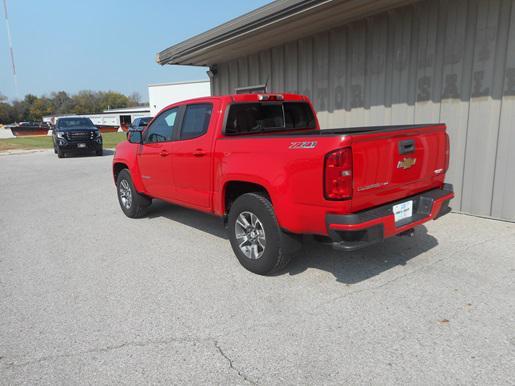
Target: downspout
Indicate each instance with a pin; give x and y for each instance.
(211, 73)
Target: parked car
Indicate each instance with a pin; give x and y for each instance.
(261, 162)
(140, 123)
(76, 134)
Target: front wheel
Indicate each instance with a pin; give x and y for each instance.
(99, 152)
(133, 204)
(255, 234)
(60, 153)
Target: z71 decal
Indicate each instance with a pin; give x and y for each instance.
(303, 145)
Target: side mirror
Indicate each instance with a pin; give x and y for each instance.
(135, 137)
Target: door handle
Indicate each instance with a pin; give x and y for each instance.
(199, 153)
(164, 153)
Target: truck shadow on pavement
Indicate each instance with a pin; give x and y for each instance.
(189, 217)
(106, 152)
(346, 267)
(360, 265)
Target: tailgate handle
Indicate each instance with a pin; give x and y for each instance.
(407, 146)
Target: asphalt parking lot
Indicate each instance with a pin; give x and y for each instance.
(89, 296)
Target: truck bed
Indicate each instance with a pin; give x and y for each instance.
(389, 163)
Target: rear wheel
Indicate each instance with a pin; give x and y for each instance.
(255, 234)
(133, 204)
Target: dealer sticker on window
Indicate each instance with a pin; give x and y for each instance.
(403, 210)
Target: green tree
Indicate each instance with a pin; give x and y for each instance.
(20, 111)
(22, 108)
(62, 103)
(6, 113)
(5, 110)
(86, 102)
(33, 108)
(113, 100)
(41, 107)
(134, 99)
(30, 99)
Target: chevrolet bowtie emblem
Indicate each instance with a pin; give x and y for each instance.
(406, 163)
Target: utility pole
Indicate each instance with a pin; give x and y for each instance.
(11, 51)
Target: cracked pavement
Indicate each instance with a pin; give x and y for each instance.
(88, 296)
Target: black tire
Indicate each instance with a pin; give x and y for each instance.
(138, 205)
(273, 257)
(60, 153)
(99, 152)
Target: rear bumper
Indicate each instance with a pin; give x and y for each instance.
(353, 231)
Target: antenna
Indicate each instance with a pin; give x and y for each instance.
(266, 83)
(11, 51)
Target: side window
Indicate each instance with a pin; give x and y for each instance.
(161, 129)
(196, 120)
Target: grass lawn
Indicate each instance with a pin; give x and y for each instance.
(45, 142)
(113, 139)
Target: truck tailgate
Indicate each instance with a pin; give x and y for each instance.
(391, 164)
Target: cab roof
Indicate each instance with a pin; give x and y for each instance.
(249, 97)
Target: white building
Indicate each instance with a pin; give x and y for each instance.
(122, 117)
(164, 94)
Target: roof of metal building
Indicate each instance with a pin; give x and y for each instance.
(271, 25)
(186, 82)
(134, 109)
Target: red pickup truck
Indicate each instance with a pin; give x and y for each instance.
(261, 162)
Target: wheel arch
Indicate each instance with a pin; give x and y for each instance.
(117, 168)
(235, 188)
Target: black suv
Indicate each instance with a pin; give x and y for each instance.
(76, 134)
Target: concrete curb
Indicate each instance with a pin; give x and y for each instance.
(21, 151)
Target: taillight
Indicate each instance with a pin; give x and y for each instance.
(338, 174)
(447, 152)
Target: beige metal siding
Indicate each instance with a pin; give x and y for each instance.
(434, 61)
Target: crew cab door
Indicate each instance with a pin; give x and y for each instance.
(192, 156)
(154, 157)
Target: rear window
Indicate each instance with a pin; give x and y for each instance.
(247, 118)
(196, 120)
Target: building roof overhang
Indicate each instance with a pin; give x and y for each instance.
(271, 25)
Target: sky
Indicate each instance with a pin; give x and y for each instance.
(74, 45)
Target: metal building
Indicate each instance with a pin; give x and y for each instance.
(365, 62)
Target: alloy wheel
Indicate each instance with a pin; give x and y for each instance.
(125, 194)
(250, 234)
